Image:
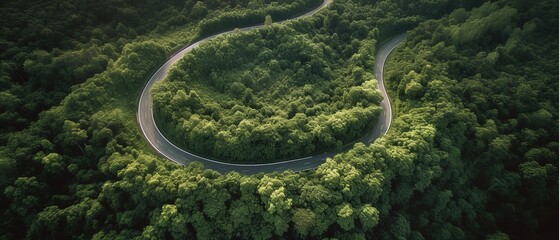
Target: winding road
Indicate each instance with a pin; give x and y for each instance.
(164, 147)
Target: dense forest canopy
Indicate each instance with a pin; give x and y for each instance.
(272, 94)
(499, 80)
(472, 152)
(48, 46)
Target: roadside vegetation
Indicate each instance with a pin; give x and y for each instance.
(280, 92)
(471, 154)
(486, 81)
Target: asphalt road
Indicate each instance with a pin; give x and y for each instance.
(164, 147)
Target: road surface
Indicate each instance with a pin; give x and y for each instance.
(164, 147)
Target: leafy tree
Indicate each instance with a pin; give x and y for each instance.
(53, 163)
(268, 20)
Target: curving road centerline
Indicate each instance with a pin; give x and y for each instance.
(164, 147)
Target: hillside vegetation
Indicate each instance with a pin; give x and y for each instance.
(471, 154)
(272, 94)
(489, 78)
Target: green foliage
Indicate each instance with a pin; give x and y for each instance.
(53, 163)
(487, 20)
(268, 20)
(285, 97)
(471, 152)
(254, 16)
(498, 236)
(499, 156)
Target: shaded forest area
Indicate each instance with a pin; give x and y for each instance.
(490, 77)
(47, 47)
(472, 152)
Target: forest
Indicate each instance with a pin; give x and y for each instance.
(290, 94)
(472, 152)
